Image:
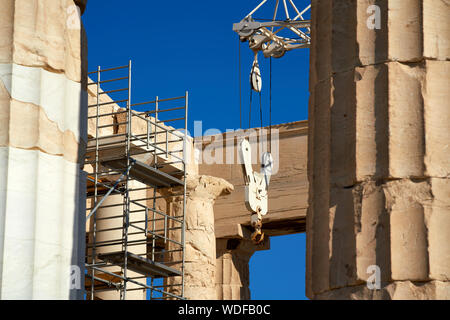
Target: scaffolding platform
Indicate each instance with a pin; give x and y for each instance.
(145, 174)
(139, 264)
(132, 155)
(103, 281)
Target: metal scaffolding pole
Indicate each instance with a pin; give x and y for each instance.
(134, 166)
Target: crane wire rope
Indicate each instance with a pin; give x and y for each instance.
(260, 111)
(270, 107)
(240, 85)
(251, 98)
(250, 111)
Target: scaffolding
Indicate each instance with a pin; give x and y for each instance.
(134, 243)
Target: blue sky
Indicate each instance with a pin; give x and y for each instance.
(189, 45)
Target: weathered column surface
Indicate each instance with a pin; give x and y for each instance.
(379, 150)
(42, 141)
(232, 267)
(200, 239)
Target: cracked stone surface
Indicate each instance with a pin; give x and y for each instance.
(43, 102)
(200, 250)
(378, 162)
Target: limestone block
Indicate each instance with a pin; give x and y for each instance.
(308, 260)
(112, 119)
(321, 58)
(409, 32)
(34, 32)
(102, 110)
(438, 224)
(63, 100)
(436, 29)
(439, 239)
(406, 290)
(30, 128)
(320, 151)
(6, 31)
(372, 43)
(25, 124)
(418, 29)
(405, 30)
(442, 290)
(342, 127)
(372, 121)
(343, 238)
(437, 118)
(319, 248)
(409, 247)
(406, 120)
(359, 229)
(173, 139)
(35, 258)
(378, 160)
(401, 290)
(409, 93)
(360, 292)
(373, 232)
(317, 219)
(344, 52)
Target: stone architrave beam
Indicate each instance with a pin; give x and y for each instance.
(288, 191)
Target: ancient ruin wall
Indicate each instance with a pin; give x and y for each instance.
(378, 150)
(200, 239)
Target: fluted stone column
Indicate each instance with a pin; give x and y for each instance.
(42, 141)
(113, 207)
(378, 150)
(232, 267)
(200, 239)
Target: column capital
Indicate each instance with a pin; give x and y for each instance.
(200, 187)
(207, 187)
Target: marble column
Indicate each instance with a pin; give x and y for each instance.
(43, 105)
(378, 164)
(113, 207)
(200, 240)
(232, 267)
